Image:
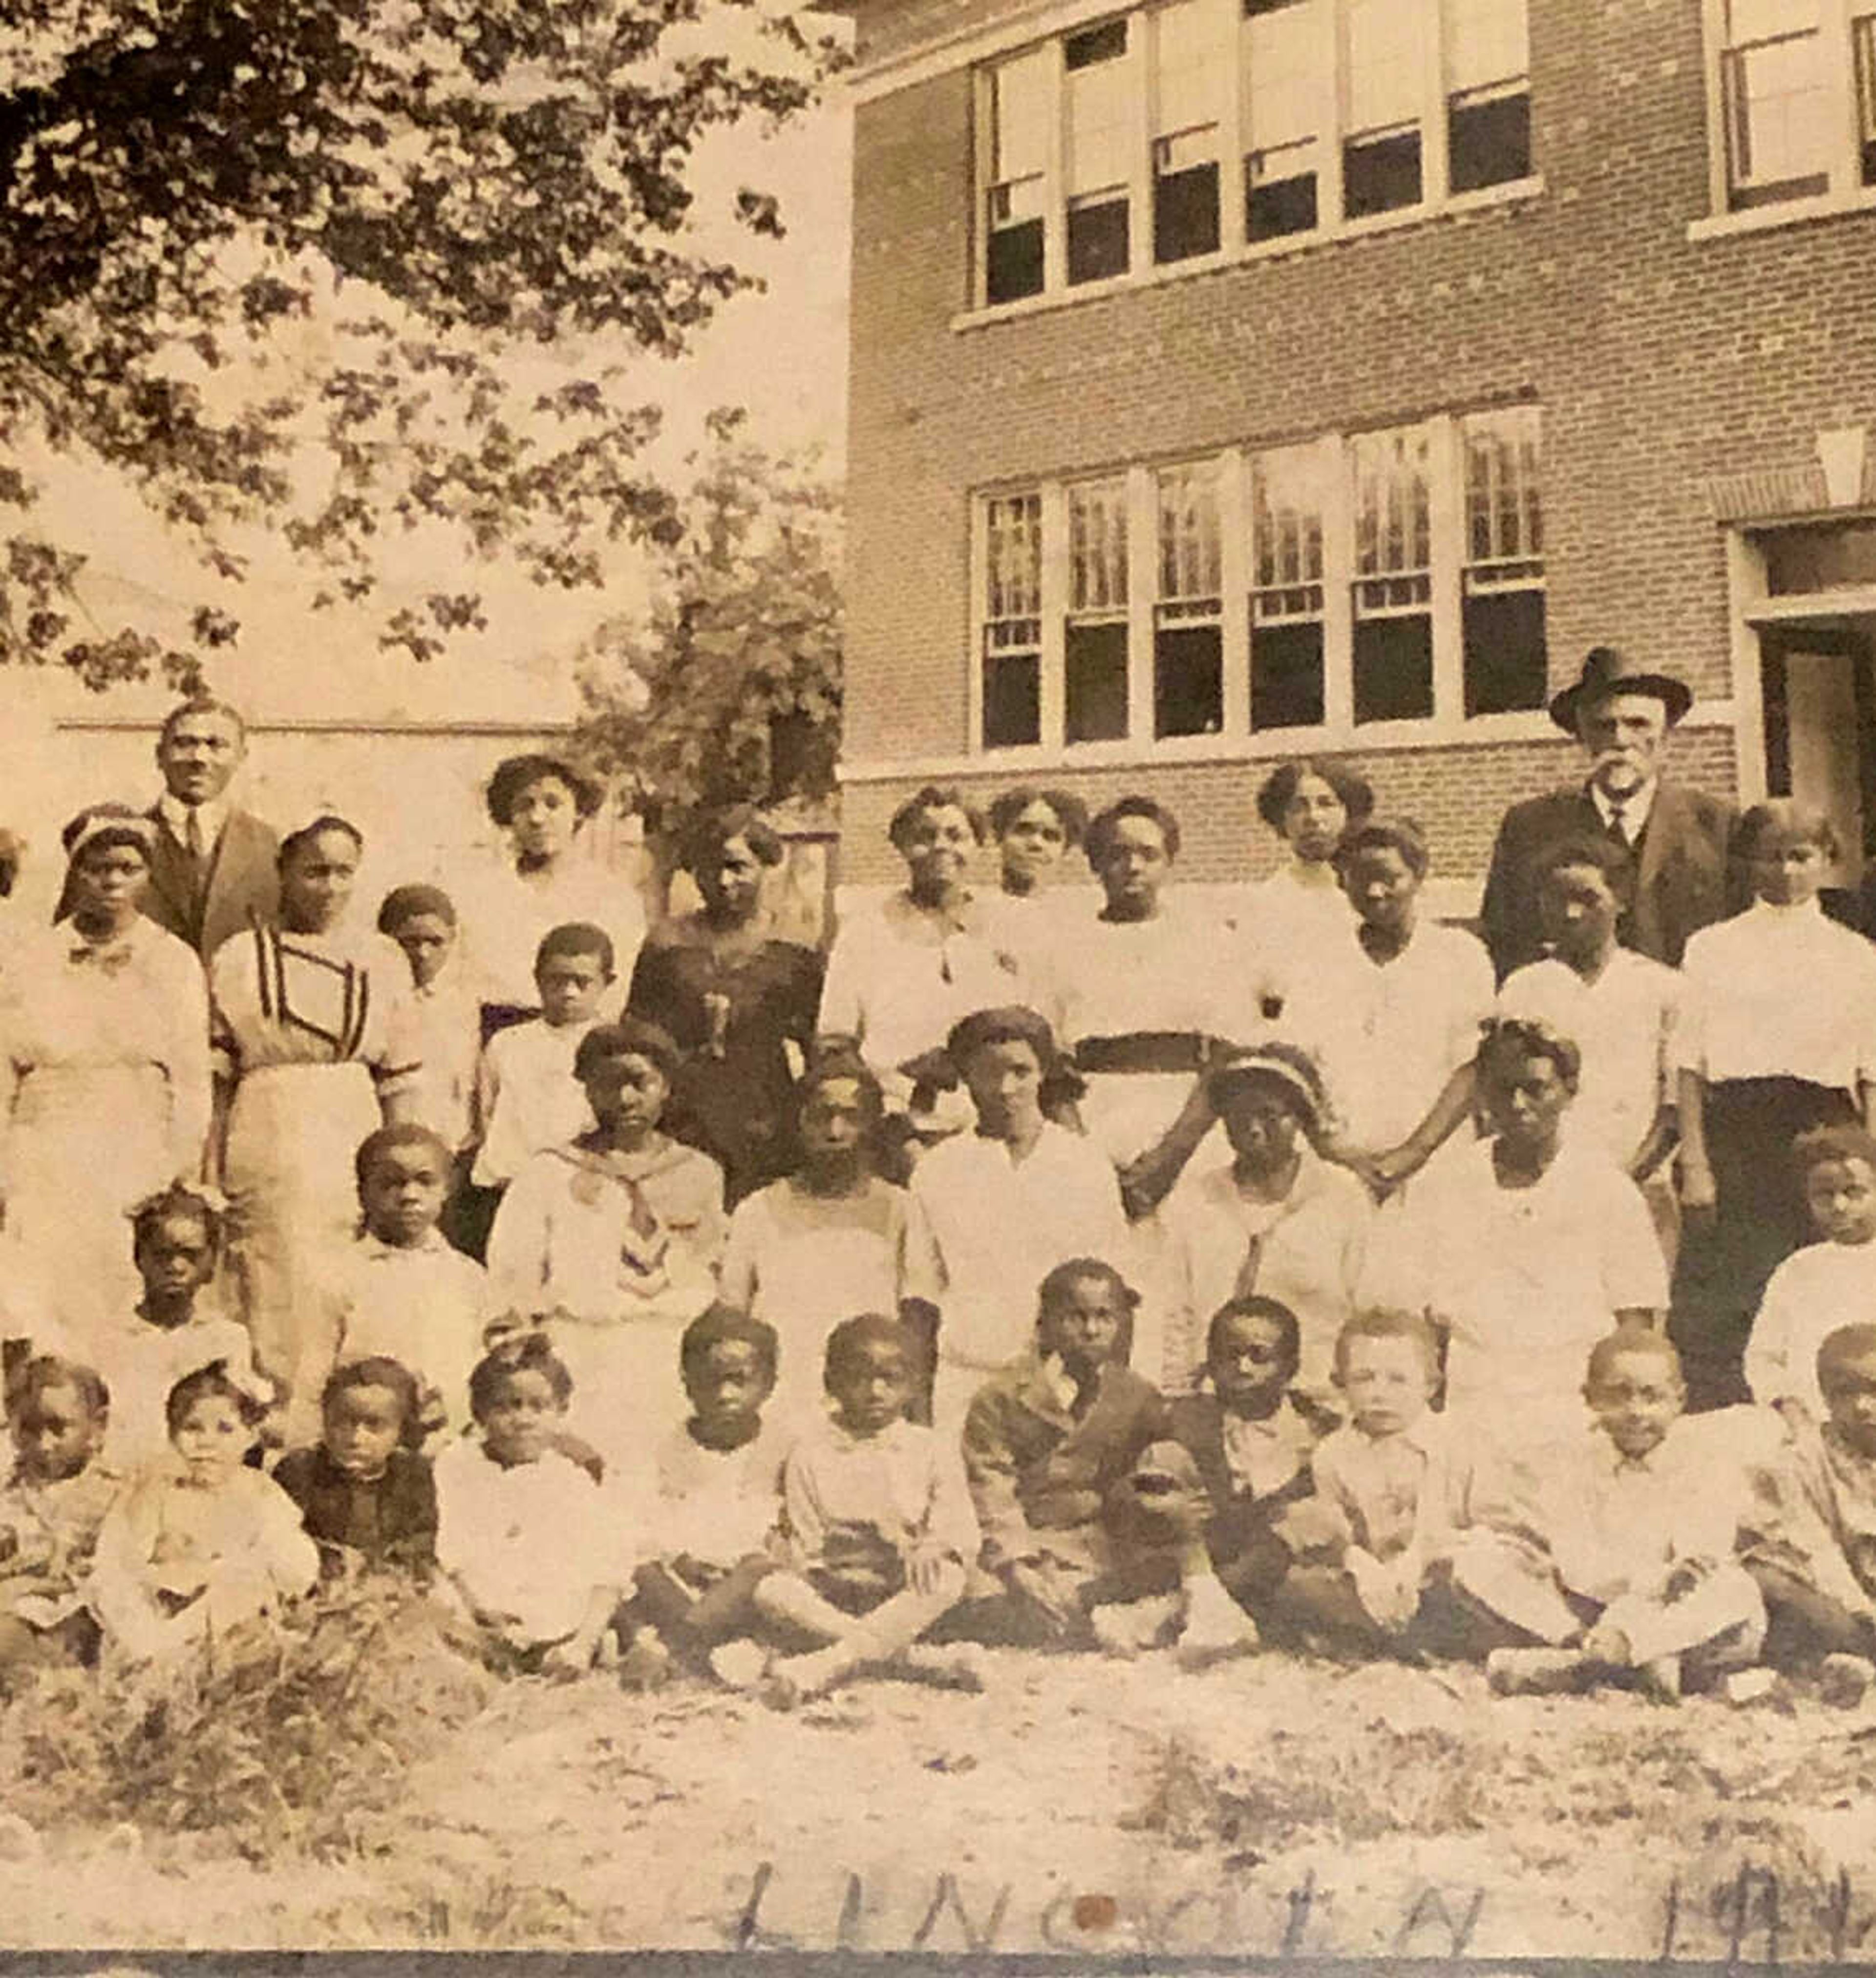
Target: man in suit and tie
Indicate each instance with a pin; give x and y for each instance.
(212, 868)
(1680, 839)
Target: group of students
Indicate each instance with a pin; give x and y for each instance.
(1037, 1274)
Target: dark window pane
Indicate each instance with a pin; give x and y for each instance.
(1185, 214)
(1105, 43)
(1837, 556)
(1286, 676)
(1505, 669)
(1255, 7)
(1012, 699)
(1015, 265)
(1491, 142)
(1188, 680)
(1869, 161)
(1393, 669)
(1381, 174)
(1095, 663)
(1279, 206)
(1097, 241)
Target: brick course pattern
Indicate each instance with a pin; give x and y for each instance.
(1659, 362)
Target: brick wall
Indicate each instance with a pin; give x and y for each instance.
(1659, 361)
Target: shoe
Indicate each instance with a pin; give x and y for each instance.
(1215, 1627)
(1537, 1672)
(738, 1665)
(647, 1664)
(1131, 1627)
(959, 1667)
(1660, 1680)
(1844, 1680)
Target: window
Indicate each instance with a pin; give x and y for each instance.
(1187, 616)
(1789, 69)
(1501, 602)
(1288, 54)
(1487, 93)
(1381, 159)
(1094, 643)
(1287, 599)
(1389, 580)
(1100, 132)
(1019, 150)
(1116, 148)
(1188, 107)
(1393, 590)
(1012, 651)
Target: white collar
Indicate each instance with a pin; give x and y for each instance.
(1769, 910)
(214, 816)
(1637, 807)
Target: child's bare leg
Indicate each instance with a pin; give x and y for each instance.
(786, 1597)
(1806, 1625)
(888, 1630)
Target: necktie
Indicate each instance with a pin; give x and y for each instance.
(192, 838)
(1619, 824)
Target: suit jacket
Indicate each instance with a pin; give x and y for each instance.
(1685, 876)
(244, 883)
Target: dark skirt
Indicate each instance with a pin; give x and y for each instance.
(1759, 1219)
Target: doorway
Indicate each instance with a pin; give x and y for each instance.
(1820, 711)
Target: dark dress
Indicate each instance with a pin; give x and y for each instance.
(733, 1016)
(391, 1521)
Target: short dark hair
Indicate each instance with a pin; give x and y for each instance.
(213, 1379)
(181, 1200)
(1273, 1311)
(199, 705)
(1055, 1283)
(326, 821)
(1847, 1342)
(853, 1336)
(824, 1067)
(374, 1370)
(1012, 1022)
(1388, 1322)
(933, 796)
(51, 1370)
(1353, 791)
(1394, 834)
(515, 773)
(1100, 832)
(1615, 861)
(1504, 1037)
(527, 1353)
(1070, 812)
(704, 840)
(405, 1133)
(1786, 814)
(717, 1324)
(1834, 1144)
(576, 937)
(1629, 1339)
(405, 903)
(631, 1036)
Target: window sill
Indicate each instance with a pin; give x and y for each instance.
(1513, 192)
(1790, 212)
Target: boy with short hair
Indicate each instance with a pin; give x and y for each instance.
(1641, 1514)
(877, 1530)
(527, 1097)
(1828, 1284)
(709, 1497)
(1810, 1530)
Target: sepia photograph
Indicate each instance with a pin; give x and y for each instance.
(937, 981)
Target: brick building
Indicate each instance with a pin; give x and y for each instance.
(1238, 379)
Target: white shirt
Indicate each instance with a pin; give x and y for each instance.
(1000, 1225)
(1637, 807)
(1625, 1023)
(425, 1307)
(1389, 1035)
(527, 1098)
(716, 1505)
(1813, 1292)
(1780, 991)
(209, 816)
(509, 913)
(1527, 1278)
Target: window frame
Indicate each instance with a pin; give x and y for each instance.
(1327, 464)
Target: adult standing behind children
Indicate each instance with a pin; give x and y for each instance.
(213, 865)
(1622, 714)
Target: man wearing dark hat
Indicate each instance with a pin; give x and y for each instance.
(1679, 838)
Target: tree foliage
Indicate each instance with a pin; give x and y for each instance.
(729, 690)
(450, 189)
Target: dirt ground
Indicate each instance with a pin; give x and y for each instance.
(1079, 1804)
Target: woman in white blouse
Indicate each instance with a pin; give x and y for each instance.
(104, 1077)
(1778, 1035)
(1301, 908)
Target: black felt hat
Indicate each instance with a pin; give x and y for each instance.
(1607, 671)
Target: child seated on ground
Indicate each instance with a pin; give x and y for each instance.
(1828, 1284)
(1809, 1529)
(1641, 1513)
(527, 1536)
(876, 1531)
(400, 1291)
(200, 1543)
(831, 1237)
(50, 1513)
(527, 1097)
(710, 1499)
(1250, 1445)
(366, 1497)
(1411, 1548)
(1049, 1447)
(176, 1328)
